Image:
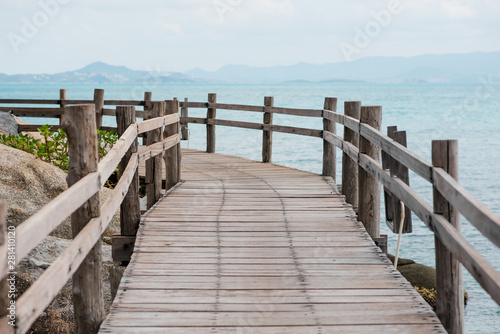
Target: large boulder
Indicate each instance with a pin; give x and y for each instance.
(28, 183)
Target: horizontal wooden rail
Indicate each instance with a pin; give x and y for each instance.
(388, 145)
(34, 127)
(29, 101)
(295, 112)
(484, 273)
(32, 231)
(36, 112)
(241, 107)
(479, 268)
(153, 150)
(255, 126)
(485, 220)
(47, 286)
(236, 124)
(156, 123)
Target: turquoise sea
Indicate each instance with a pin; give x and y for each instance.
(469, 113)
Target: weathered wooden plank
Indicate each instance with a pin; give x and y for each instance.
(485, 220)
(267, 136)
(350, 165)
(471, 259)
(34, 112)
(368, 185)
(153, 179)
(329, 151)
(246, 245)
(155, 123)
(211, 115)
(295, 111)
(449, 279)
(244, 328)
(130, 211)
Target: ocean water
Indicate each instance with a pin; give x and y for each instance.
(469, 113)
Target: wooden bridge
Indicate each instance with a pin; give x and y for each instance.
(242, 246)
(239, 248)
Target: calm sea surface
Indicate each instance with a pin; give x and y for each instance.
(469, 113)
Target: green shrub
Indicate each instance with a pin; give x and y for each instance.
(53, 147)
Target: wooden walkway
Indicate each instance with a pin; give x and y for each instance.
(246, 247)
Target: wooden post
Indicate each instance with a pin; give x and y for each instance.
(184, 126)
(80, 126)
(147, 102)
(350, 167)
(154, 164)
(212, 98)
(99, 105)
(369, 187)
(449, 281)
(400, 171)
(62, 96)
(147, 108)
(388, 197)
(130, 209)
(329, 154)
(173, 155)
(267, 136)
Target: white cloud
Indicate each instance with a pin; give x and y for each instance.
(456, 11)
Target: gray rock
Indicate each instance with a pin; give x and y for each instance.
(8, 123)
(41, 257)
(28, 183)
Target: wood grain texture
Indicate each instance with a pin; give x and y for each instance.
(449, 280)
(237, 246)
(329, 150)
(130, 209)
(99, 105)
(350, 166)
(211, 114)
(173, 155)
(267, 136)
(369, 186)
(154, 164)
(79, 123)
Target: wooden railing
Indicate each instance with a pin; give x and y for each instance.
(82, 258)
(362, 177)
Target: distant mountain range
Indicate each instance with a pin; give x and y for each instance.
(100, 73)
(446, 68)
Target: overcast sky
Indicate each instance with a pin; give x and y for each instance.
(58, 35)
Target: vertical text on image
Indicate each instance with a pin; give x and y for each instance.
(11, 275)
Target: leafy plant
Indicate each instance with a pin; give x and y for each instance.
(53, 147)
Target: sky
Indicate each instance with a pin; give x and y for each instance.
(51, 36)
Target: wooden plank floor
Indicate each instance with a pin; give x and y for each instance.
(246, 247)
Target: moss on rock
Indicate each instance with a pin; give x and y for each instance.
(421, 277)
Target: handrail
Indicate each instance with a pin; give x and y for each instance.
(32, 231)
(481, 217)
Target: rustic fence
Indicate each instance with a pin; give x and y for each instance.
(81, 260)
(363, 175)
